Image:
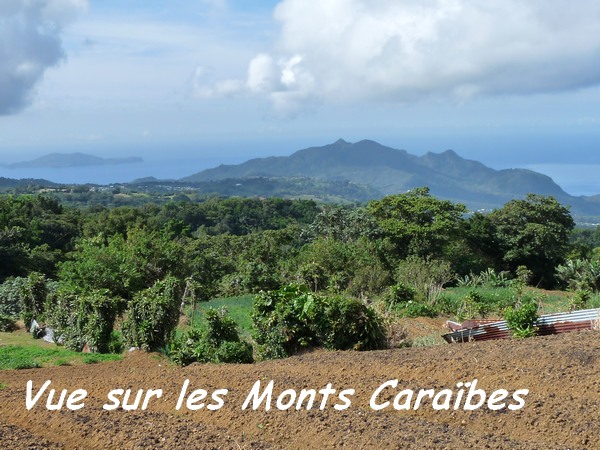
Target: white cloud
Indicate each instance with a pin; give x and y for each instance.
(357, 50)
(261, 74)
(30, 43)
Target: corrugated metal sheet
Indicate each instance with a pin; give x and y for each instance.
(547, 324)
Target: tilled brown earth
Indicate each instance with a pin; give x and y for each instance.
(562, 409)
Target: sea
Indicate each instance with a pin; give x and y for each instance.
(576, 172)
(152, 166)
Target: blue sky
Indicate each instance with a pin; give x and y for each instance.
(503, 81)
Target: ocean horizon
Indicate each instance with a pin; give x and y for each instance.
(575, 179)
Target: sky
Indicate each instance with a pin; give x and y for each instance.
(199, 82)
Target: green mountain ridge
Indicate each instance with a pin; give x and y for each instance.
(390, 171)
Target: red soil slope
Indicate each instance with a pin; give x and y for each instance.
(561, 411)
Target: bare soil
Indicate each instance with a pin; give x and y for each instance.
(561, 411)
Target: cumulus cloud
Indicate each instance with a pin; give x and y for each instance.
(29, 44)
(356, 50)
(285, 82)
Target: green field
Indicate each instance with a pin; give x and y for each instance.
(239, 309)
(19, 350)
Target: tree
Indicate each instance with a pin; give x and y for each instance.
(152, 315)
(123, 265)
(482, 245)
(343, 224)
(35, 231)
(417, 223)
(534, 233)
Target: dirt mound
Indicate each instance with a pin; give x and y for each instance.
(562, 409)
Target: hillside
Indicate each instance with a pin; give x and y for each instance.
(556, 415)
(58, 160)
(389, 171)
(25, 182)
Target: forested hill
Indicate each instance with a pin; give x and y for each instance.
(390, 171)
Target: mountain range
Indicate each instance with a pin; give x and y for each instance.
(60, 160)
(344, 172)
(385, 170)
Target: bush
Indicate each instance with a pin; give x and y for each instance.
(580, 275)
(486, 278)
(473, 305)
(81, 319)
(370, 278)
(521, 319)
(10, 297)
(449, 303)
(24, 297)
(218, 342)
(152, 316)
(415, 308)
(580, 300)
(116, 343)
(220, 327)
(426, 276)
(7, 323)
(234, 352)
(405, 300)
(284, 321)
(293, 318)
(398, 294)
(350, 324)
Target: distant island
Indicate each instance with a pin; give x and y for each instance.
(62, 160)
(341, 172)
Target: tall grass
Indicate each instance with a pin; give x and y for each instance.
(594, 301)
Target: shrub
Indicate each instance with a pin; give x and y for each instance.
(426, 276)
(350, 324)
(220, 327)
(293, 318)
(473, 305)
(449, 304)
(234, 352)
(521, 319)
(10, 296)
(218, 342)
(369, 278)
(416, 309)
(486, 278)
(116, 343)
(285, 320)
(404, 299)
(81, 319)
(580, 300)
(399, 293)
(580, 274)
(523, 275)
(7, 323)
(152, 316)
(189, 348)
(24, 297)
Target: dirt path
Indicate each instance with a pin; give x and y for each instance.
(561, 411)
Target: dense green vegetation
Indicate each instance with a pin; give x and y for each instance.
(323, 275)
